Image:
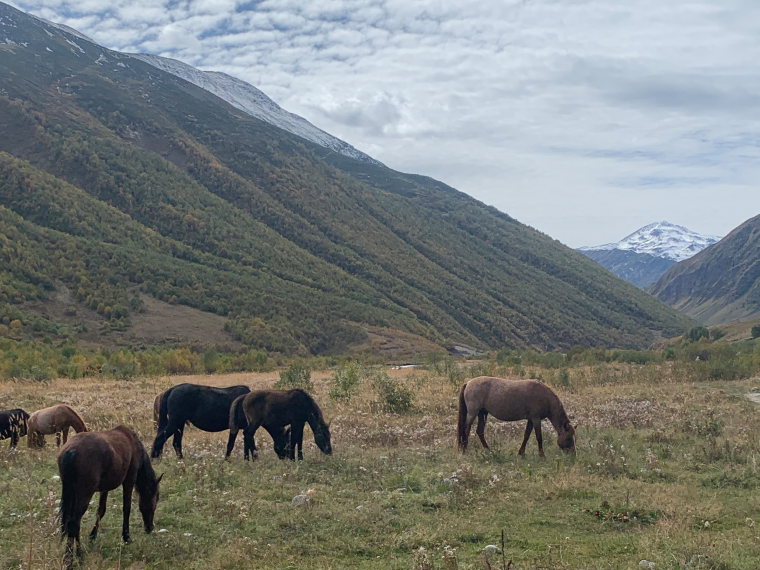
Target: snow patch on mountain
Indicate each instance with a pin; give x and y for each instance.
(661, 239)
(248, 99)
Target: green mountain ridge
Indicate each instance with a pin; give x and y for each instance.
(141, 183)
(721, 284)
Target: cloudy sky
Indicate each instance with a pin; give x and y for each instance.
(584, 119)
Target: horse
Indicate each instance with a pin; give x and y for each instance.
(55, 419)
(275, 409)
(13, 424)
(206, 407)
(238, 421)
(511, 400)
(101, 461)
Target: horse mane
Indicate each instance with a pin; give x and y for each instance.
(78, 423)
(315, 411)
(558, 417)
(146, 476)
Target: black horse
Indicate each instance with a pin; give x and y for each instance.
(13, 424)
(275, 409)
(205, 407)
(238, 421)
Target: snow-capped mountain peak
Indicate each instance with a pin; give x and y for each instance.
(254, 102)
(661, 239)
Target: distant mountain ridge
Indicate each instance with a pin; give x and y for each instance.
(120, 182)
(247, 98)
(643, 256)
(721, 284)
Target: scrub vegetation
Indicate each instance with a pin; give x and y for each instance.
(667, 471)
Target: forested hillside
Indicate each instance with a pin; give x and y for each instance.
(120, 181)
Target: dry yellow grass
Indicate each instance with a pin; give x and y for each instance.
(681, 456)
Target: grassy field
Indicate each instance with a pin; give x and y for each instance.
(667, 472)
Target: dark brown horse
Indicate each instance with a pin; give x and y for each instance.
(275, 409)
(101, 461)
(13, 425)
(206, 407)
(512, 400)
(238, 421)
(53, 420)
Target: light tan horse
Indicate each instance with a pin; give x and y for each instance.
(512, 400)
(53, 420)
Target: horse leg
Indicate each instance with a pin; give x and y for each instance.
(467, 428)
(65, 432)
(231, 443)
(296, 438)
(528, 429)
(177, 441)
(58, 438)
(101, 513)
(481, 429)
(126, 508)
(249, 441)
(539, 438)
(161, 436)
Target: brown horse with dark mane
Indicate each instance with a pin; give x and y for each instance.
(101, 461)
(275, 409)
(53, 420)
(512, 400)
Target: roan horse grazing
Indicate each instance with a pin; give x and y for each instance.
(13, 424)
(511, 400)
(205, 407)
(238, 421)
(55, 419)
(102, 461)
(275, 409)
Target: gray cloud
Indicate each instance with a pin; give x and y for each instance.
(584, 119)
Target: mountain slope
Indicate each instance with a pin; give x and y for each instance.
(144, 184)
(642, 257)
(720, 284)
(247, 98)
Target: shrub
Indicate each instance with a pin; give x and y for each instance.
(756, 331)
(698, 333)
(393, 397)
(296, 376)
(346, 380)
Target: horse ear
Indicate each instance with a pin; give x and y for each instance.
(159, 478)
(575, 427)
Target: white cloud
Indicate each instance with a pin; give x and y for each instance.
(585, 119)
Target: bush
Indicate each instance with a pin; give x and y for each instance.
(392, 396)
(346, 380)
(698, 333)
(296, 376)
(756, 331)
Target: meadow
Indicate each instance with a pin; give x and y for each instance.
(666, 476)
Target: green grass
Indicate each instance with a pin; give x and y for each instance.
(664, 472)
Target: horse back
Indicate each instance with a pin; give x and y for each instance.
(206, 407)
(101, 460)
(510, 399)
(277, 408)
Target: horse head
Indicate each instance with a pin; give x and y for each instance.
(322, 437)
(149, 501)
(566, 438)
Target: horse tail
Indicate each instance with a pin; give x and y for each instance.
(163, 411)
(462, 421)
(67, 470)
(238, 420)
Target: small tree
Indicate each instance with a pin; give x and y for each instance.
(296, 376)
(698, 333)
